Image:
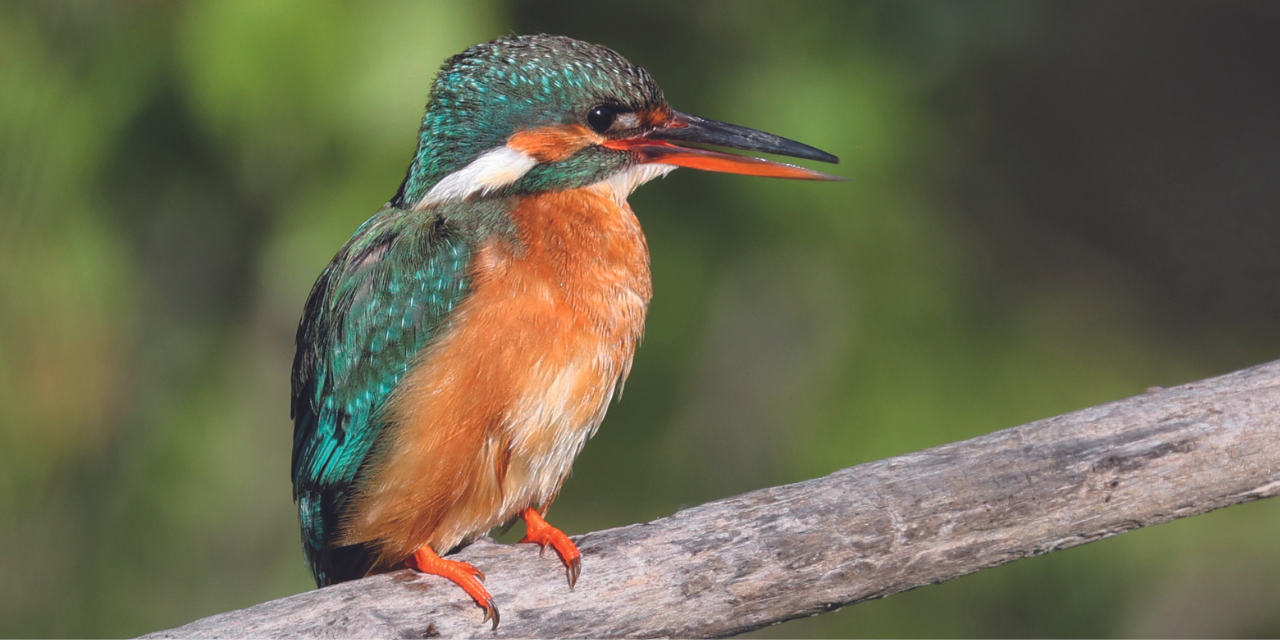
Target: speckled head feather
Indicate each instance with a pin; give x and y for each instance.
(492, 90)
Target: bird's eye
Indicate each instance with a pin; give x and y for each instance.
(600, 117)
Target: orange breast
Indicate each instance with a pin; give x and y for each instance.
(490, 420)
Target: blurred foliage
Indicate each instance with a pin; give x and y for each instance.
(1051, 205)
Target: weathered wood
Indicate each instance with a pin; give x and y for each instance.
(865, 532)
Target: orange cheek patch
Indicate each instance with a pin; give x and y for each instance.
(552, 144)
(654, 117)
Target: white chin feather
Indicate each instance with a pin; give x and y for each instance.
(624, 182)
(495, 168)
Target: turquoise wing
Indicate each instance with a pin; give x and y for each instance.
(377, 304)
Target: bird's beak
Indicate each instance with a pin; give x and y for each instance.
(682, 127)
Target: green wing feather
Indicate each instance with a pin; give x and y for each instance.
(377, 304)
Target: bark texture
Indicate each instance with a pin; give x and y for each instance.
(865, 532)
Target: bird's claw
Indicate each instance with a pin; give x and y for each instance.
(573, 569)
(541, 542)
(460, 573)
(490, 611)
(538, 532)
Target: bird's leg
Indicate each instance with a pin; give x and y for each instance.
(462, 574)
(537, 531)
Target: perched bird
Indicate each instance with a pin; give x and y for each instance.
(460, 349)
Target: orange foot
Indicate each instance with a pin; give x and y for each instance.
(540, 533)
(461, 573)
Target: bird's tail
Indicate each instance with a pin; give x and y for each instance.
(317, 512)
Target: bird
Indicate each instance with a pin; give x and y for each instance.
(464, 344)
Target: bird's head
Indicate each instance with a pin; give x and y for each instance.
(539, 113)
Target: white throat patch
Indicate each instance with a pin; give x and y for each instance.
(495, 168)
(624, 182)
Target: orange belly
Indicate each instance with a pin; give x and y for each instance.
(491, 418)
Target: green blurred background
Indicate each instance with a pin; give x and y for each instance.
(1050, 205)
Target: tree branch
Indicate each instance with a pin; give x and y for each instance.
(865, 532)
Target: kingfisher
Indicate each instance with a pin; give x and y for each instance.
(460, 349)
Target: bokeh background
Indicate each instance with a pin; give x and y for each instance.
(1050, 205)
